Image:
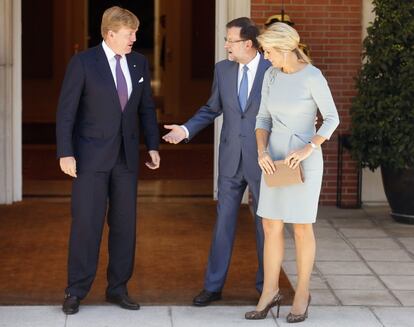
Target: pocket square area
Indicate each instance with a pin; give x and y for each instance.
(141, 80)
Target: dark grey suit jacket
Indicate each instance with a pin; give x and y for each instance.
(238, 132)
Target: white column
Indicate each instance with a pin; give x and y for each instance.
(372, 187)
(226, 10)
(10, 101)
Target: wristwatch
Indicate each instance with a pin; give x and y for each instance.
(313, 145)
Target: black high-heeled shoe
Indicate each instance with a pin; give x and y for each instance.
(292, 318)
(254, 315)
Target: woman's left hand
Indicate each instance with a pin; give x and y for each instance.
(295, 157)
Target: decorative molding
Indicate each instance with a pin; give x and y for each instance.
(238, 8)
(10, 101)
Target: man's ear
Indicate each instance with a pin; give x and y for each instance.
(110, 34)
(249, 44)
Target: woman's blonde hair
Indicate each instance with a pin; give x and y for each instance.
(284, 38)
(116, 17)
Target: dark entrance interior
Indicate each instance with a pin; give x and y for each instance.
(144, 9)
(177, 37)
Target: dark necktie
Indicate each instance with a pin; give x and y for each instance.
(243, 89)
(121, 85)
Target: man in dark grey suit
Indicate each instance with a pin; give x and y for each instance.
(236, 94)
(105, 97)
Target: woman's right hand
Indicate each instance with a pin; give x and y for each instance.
(266, 163)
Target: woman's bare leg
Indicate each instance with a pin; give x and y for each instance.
(272, 259)
(305, 258)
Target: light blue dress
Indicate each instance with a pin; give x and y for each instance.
(288, 109)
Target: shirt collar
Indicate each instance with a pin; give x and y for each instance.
(110, 54)
(253, 64)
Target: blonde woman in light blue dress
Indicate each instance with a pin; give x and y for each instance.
(292, 93)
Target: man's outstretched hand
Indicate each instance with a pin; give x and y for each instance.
(176, 134)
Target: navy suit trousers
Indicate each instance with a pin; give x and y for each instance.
(93, 195)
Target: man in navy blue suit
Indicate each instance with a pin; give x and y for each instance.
(236, 93)
(105, 98)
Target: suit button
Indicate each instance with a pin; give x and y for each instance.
(243, 116)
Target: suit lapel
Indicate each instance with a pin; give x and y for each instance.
(105, 71)
(137, 76)
(232, 80)
(133, 72)
(258, 80)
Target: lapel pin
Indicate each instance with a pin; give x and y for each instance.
(135, 65)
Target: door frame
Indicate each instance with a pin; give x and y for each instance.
(10, 102)
(226, 10)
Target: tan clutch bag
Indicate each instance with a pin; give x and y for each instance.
(284, 176)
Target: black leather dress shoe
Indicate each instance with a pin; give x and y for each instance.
(70, 304)
(205, 298)
(123, 301)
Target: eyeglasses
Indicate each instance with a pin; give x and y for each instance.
(231, 42)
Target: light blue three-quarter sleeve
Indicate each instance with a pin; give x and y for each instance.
(323, 98)
(263, 118)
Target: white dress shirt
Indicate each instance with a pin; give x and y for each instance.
(110, 55)
(251, 73)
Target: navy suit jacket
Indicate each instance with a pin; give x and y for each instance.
(237, 138)
(90, 124)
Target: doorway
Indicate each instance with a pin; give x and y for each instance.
(52, 31)
(185, 40)
(177, 37)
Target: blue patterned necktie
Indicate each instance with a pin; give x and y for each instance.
(121, 84)
(243, 89)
